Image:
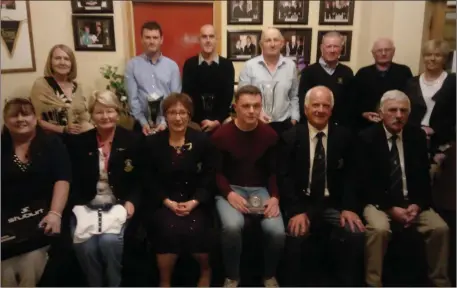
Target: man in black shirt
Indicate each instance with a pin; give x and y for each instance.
(331, 73)
(371, 82)
(208, 79)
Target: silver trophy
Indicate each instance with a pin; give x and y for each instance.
(255, 205)
(268, 89)
(208, 104)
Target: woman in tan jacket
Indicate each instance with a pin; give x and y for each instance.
(57, 97)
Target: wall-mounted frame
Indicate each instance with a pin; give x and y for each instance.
(347, 44)
(333, 12)
(92, 6)
(297, 44)
(291, 12)
(17, 53)
(245, 12)
(243, 45)
(94, 33)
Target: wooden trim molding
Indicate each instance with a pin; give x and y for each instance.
(131, 27)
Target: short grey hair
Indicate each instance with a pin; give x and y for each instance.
(394, 95)
(107, 98)
(308, 95)
(266, 30)
(333, 34)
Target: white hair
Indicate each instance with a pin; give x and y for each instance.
(396, 95)
(308, 95)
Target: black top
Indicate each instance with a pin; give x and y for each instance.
(180, 176)
(442, 119)
(294, 166)
(215, 79)
(31, 185)
(374, 167)
(123, 166)
(370, 84)
(58, 116)
(340, 83)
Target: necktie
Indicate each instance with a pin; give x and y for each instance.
(396, 184)
(318, 171)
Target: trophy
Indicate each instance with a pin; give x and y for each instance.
(255, 204)
(268, 97)
(154, 102)
(208, 104)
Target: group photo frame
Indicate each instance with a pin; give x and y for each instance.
(347, 44)
(297, 44)
(17, 53)
(291, 12)
(336, 12)
(244, 12)
(91, 6)
(94, 33)
(243, 45)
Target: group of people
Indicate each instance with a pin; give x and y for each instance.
(351, 153)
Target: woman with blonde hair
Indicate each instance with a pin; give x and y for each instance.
(105, 190)
(57, 97)
(432, 96)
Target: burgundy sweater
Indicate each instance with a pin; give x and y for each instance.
(246, 158)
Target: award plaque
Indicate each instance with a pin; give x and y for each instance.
(268, 89)
(208, 104)
(255, 205)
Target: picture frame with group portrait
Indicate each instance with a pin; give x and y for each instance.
(91, 6)
(94, 33)
(347, 44)
(245, 12)
(291, 12)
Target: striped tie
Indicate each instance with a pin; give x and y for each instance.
(318, 171)
(396, 184)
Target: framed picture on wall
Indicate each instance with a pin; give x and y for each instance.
(297, 44)
(245, 12)
(347, 44)
(243, 45)
(291, 12)
(336, 12)
(92, 6)
(17, 53)
(94, 33)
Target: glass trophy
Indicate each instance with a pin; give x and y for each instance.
(208, 104)
(154, 109)
(255, 204)
(268, 97)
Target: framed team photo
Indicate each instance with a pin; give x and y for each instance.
(245, 12)
(291, 12)
(243, 45)
(336, 12)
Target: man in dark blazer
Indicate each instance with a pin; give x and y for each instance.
(316, 182)
(395, 181)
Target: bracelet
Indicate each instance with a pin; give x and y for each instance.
(55, 213)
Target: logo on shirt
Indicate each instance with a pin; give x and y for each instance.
(26, 213)
(128, 165)
(339, 80)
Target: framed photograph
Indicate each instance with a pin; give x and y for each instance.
(92, 6)
(336, 12)
(17, 53)
(297, 45)
(345, 52)
(291, 12)
(94, 33)
(245, 12)
(243, 45)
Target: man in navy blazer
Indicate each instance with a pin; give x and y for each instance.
(317, 184)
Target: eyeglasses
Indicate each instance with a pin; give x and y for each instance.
(175, 114)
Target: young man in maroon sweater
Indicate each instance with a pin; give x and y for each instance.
(246, 168)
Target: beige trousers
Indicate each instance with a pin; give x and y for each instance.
(429, 224)
(24, 270)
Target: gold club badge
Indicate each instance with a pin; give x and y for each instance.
(128, 165)
(340, 80)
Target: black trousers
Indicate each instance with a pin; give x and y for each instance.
(326, 236)
(281, 127)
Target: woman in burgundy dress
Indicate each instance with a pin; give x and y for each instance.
(178, 174)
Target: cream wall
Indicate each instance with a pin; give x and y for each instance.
(52, 24)
(403, 21)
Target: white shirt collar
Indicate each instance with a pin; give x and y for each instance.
(313, 131)
(201, 60)
(389, 135)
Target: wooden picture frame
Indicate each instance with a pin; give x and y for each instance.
(243, 45)
(17, 53)
(291, 12)
(94, 33)
(300, 37)
(245, 12)
(333, 12)
(92, 6)
(347, 45)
